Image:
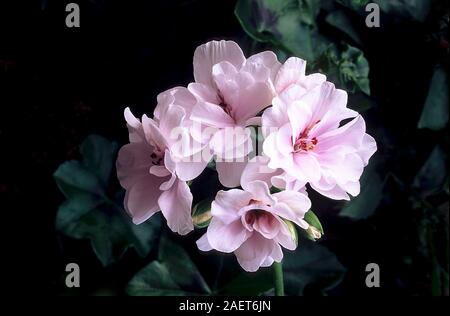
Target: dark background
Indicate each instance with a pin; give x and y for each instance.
(58, 85)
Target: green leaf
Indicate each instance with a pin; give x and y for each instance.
(89, 213)
(311, 264)
(154, 280)
(340, 20)
(410, 9)
(365, 204)
(99, 156)
(349, 68)
(201, 213)
(180, 264)
(76, 181)
(356, 5)
(432, 176)
(287, 24)
(172, 274)
(435, 110)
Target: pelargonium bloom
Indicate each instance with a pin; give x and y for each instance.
(152, 174)
(311, 146)
(231, 90)
(252, 224)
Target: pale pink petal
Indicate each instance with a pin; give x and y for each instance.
(335, 193)
(171, 120)
(227, 204)
(226, 237)
(230, 172)
(159, 171)
(203, 243)
(257, 169)
(153, 134)
(267, 225)
(141, 199)
(298, 204)
(175, 205)
(268, 59)
(260, 192)
(133, 162)
(253, 252)
(211, 115)
(135, 132)
(350, 135)
(306, 167)
(211, 53)
(204, 92)
(285, 238)
(292, 71)
(367, 149)
(191, 167)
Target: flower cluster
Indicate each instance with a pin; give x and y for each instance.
(301, 118)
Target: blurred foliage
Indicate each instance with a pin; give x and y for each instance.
(291, 26)
(90, 213)
(435, 111)
(173, 273)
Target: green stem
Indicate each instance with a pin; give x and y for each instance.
(278, 278)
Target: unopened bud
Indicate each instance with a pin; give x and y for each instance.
(313, 233)
(201, 214)
(292, 230)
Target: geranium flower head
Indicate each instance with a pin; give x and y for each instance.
(310, 144)
(231, 90)
(251, 223)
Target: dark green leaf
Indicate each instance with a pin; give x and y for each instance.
(349, 68)
(340, 20)
(432, 175)
(435, 110)
(356, 5)
(365, 204)
(89, 213)
(99, 156)
(154, 280)
(411, 9)
(172, 274)
(76, 181)
(287, 24)
(311, 264)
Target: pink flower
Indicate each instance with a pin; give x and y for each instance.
(230, 91)
(291, 83)
(150, 168)
(251, 223)
(310, 145)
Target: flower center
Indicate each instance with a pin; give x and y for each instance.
(304, 142)
(157, 157)
(225, 107)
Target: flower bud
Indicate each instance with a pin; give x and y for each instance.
(292, 230)
(201, 214)
(315, 230)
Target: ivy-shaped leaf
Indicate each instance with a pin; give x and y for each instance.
(435, 110)
(89, 212)
(311, 264)
(173, 273)
(287, 24)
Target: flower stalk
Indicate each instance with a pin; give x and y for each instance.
(278, 278)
